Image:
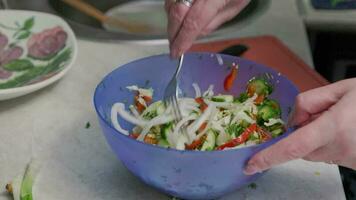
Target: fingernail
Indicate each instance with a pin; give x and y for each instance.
(251, 169)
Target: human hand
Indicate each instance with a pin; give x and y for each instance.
(186, 24)
(327, 120)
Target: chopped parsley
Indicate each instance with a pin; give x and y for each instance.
(253, 186)
(234, 129)
(87, 125)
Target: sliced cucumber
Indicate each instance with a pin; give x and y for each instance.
(242, 98)
(163, 143)
(223, 98)
(277, 132)
(152, 111)
(166, 129)
(209, 143)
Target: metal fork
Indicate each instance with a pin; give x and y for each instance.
(171, 94)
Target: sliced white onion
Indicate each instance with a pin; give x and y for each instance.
(223, 137)
(132, 88)
(182, 140)
(181, 123)
(241, 115)
(197, 123)
(189, 101)
(120, 109)
(142, 101)
(226, 105)
(209, 92)
(203, 132)
(162, 119)
(172, 139)
(219, 58)
(186, 110)
(141, 91)
(158, 120)
(134, 111)
(273, 121)
(197, 90)
(114, 120)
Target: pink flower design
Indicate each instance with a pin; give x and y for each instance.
(47, 43)
(7, 55)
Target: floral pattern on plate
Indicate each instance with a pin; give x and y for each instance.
(28, 56)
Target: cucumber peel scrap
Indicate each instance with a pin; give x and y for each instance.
(21, 186)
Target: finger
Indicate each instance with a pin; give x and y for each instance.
(199, 15)
(311, 119)
(297, 145)
(229, 12)
(315, 101)
(350, 163)
(168, 4)
(176, 14)
(322, 154)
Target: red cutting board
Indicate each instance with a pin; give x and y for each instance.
(271, 52)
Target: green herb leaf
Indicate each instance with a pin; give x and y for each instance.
(253, 186)
(242, 98)
(29, 23)
(87, 125)
(23, 35)
(19, 65)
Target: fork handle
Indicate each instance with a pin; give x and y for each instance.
(179, 66)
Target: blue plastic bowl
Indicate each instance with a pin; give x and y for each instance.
(184, 174)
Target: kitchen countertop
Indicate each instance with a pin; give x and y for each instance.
(78, 164)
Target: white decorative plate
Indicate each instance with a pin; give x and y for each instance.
(36, 49)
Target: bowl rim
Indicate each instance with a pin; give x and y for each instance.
(60, 74)
(286, 133)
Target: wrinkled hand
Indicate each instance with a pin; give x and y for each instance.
(327, 120)
(186, 24)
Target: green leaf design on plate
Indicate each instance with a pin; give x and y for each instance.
(58, 62)
(29, 23)
(31, 74)
(17, 24)
(19, 65)
(23, 79)
(23, 35)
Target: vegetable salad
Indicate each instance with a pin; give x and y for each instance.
(213, 122)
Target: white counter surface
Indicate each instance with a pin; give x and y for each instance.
(77, 162)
